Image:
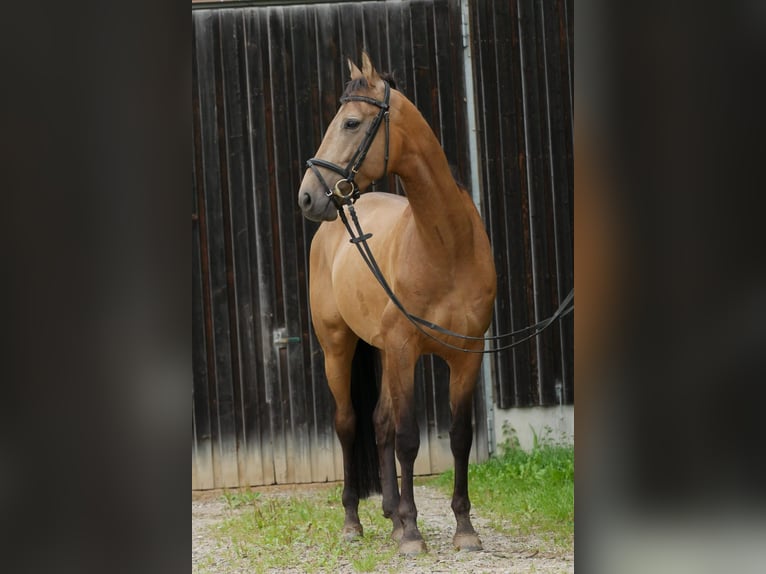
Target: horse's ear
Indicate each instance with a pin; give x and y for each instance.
(356, 73)
(369, 71)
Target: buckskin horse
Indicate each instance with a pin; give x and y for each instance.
(434, 252)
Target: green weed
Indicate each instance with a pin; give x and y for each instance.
(525, 492)
(237, 499)
(285, 531)
(521, 493)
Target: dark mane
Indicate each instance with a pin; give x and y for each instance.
(389, 78)
(460, 184)
(358, 84)
(354, 86)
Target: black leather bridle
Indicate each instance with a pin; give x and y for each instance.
(346, 190)
(345, 193)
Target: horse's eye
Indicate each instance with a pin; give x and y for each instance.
(351, 124)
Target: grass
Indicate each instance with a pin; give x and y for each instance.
(527, 493)
(275, 532)
(521, 493)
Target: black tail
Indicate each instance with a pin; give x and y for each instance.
(365, 382)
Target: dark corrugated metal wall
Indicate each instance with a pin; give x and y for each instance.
(266, 81)
(265, 84)
(524, 74)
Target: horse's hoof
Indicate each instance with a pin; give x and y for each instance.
(467, 542)
(397, 533)
(412, 547)
(352, 532)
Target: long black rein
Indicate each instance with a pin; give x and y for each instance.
(346, 192)
(360, 240)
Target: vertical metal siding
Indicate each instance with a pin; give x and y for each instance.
(266, 82)
(524, 54)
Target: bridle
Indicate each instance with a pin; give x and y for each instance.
(346, 190)
(345, 193)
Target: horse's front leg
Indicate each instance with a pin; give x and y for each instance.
(398, 374)
(338, 371)
(463, 374)
(385, 438)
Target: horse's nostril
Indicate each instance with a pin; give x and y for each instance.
(305, 200)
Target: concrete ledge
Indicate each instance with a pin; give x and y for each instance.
(553, 423)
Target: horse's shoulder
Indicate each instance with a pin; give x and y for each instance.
(381, 197)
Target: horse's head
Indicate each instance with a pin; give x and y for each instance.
(354, 151)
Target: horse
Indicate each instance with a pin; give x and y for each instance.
(433, 250)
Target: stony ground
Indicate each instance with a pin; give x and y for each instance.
(502, 552)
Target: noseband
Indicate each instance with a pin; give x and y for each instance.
(346, 191)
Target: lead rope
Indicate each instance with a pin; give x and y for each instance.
(360, 238)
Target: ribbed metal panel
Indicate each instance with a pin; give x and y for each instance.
(266, 82)
(523, 54)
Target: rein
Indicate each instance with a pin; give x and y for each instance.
(346, 192)
(360, 240)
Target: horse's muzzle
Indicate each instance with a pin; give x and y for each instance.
(316, 205)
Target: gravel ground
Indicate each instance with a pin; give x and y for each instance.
(502, 552)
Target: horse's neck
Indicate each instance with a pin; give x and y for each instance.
(443, 213)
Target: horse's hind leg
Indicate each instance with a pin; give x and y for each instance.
(463, 373)
(338, 360)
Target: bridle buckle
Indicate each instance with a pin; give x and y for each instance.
(344, 189)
